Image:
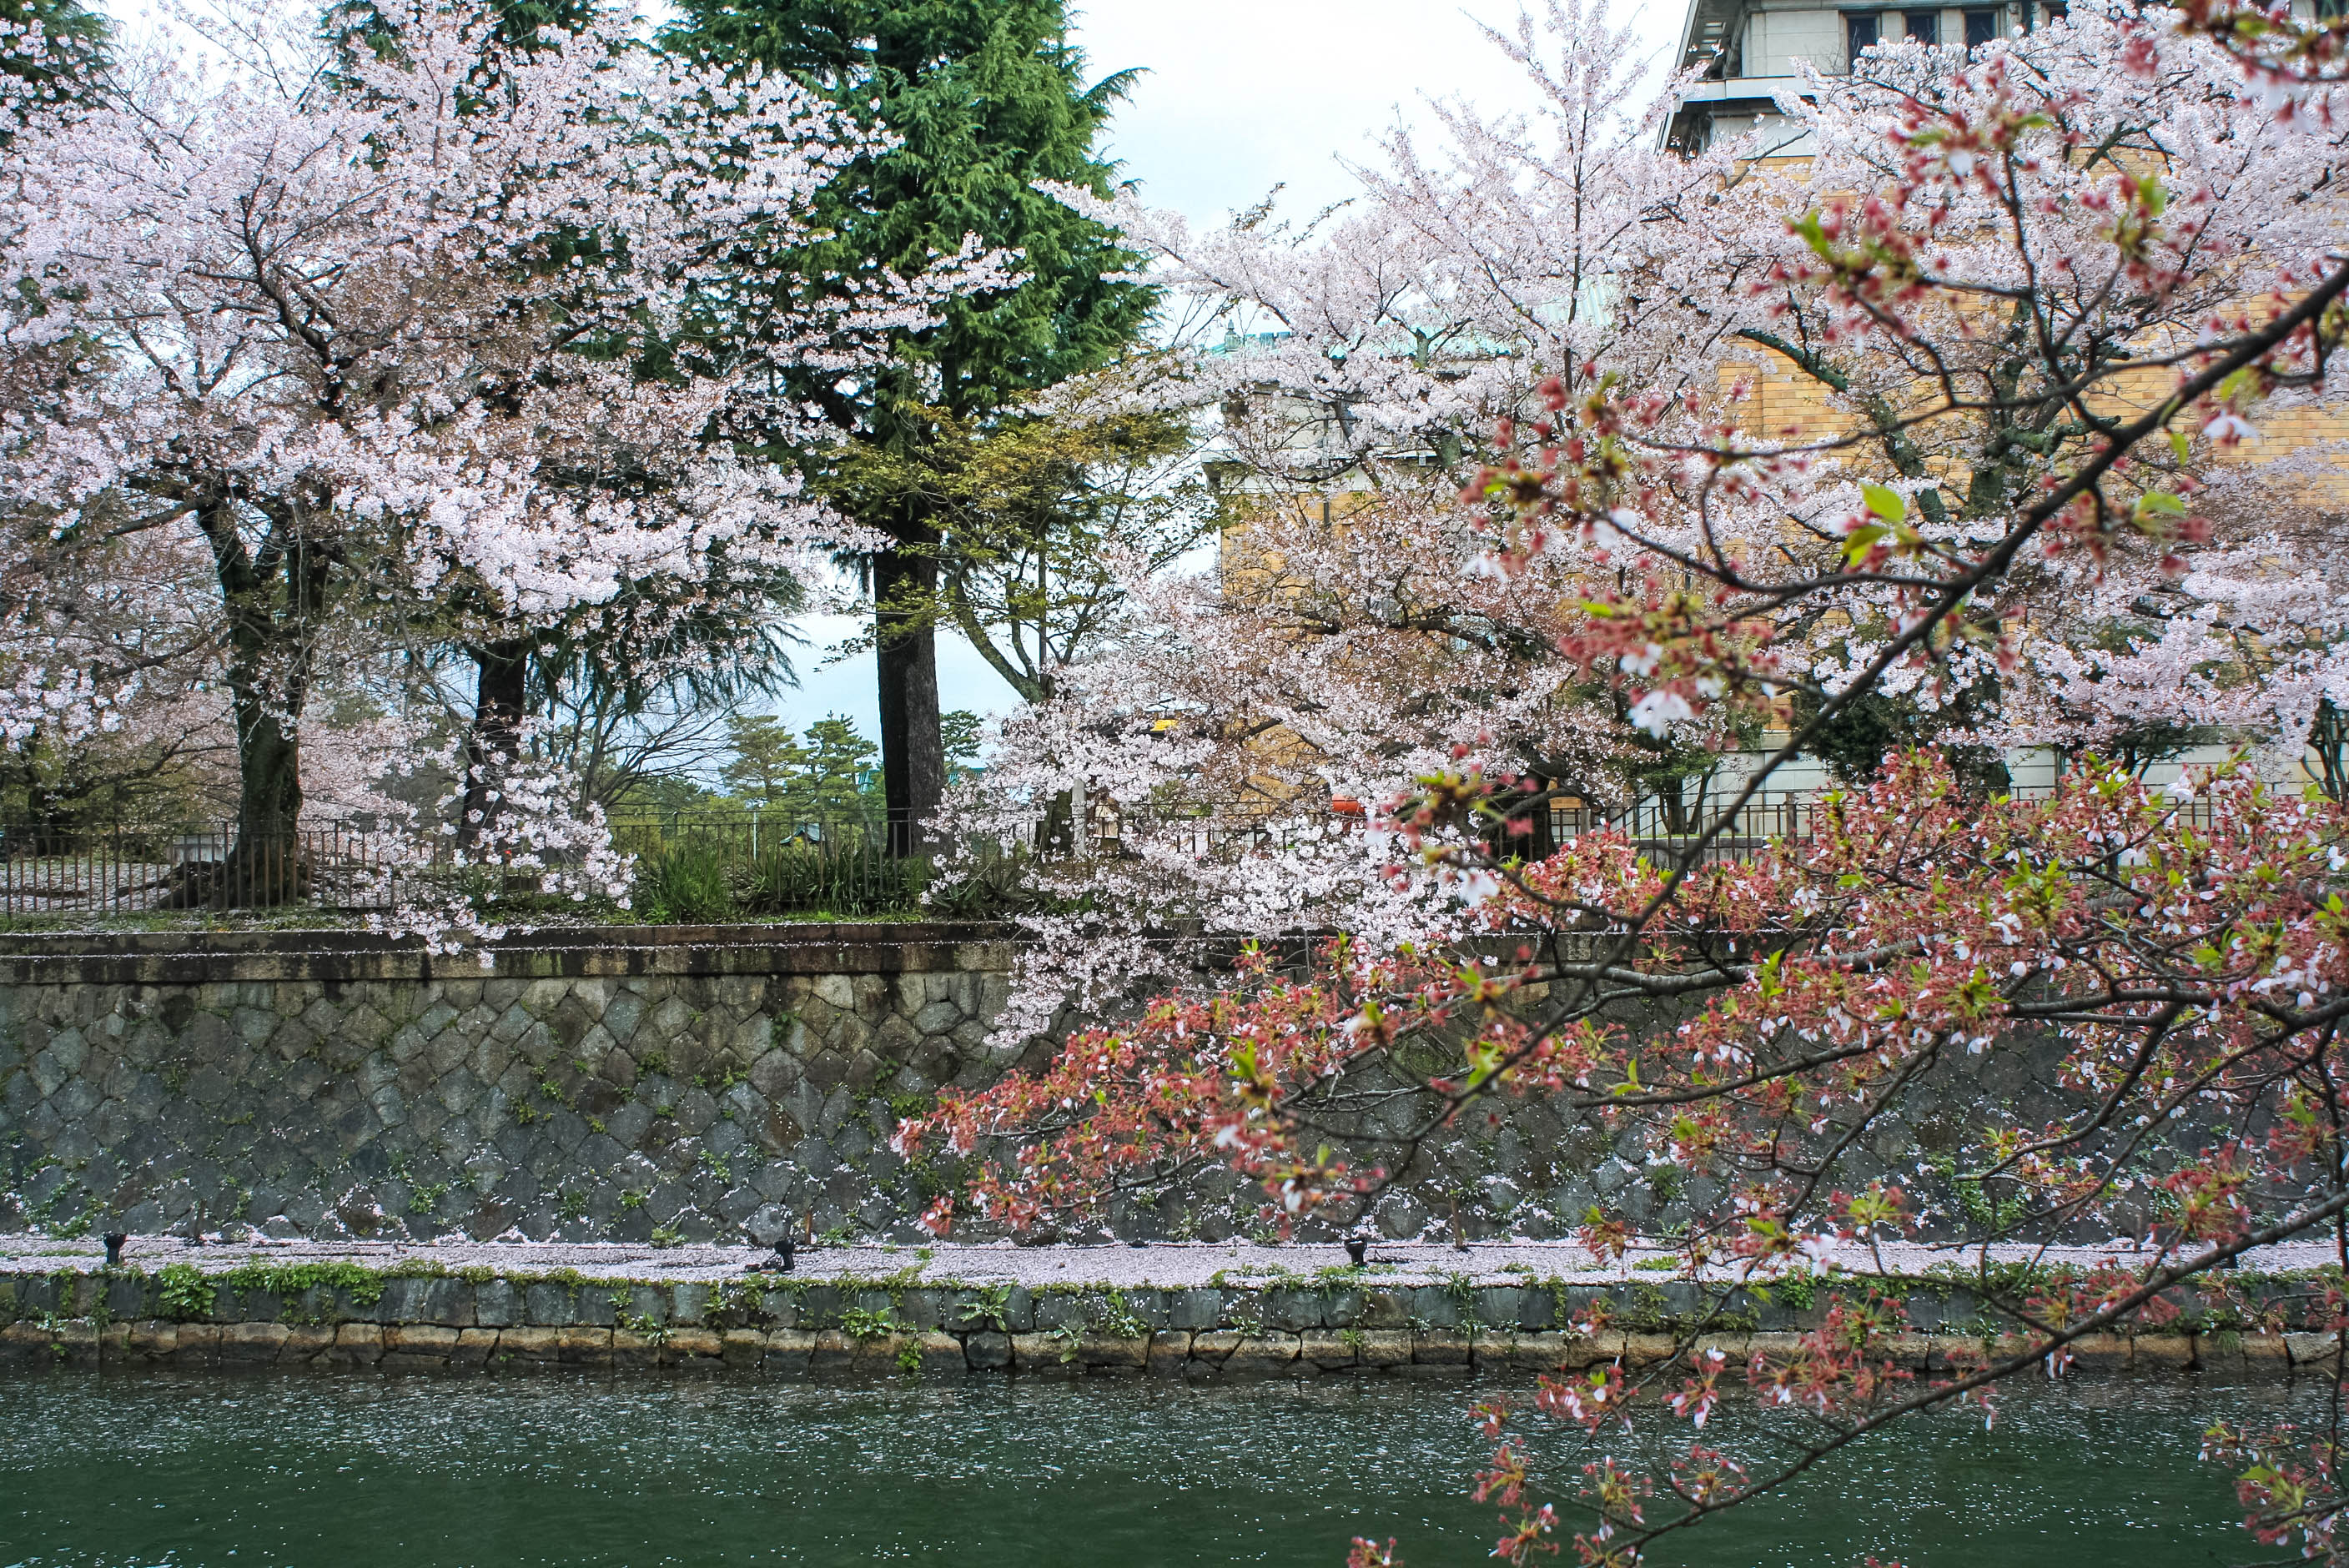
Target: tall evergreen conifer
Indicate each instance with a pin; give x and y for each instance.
(988, 96)
(54, 48)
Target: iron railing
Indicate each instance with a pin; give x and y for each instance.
(123, 869)
(712, 866)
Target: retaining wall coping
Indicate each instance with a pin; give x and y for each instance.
(200, 957)
(1050, 1312)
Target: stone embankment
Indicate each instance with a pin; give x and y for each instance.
(676, 1084)
(612, 1084)
(1194, 1312)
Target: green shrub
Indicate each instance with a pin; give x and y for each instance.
(859, 1324)
(184, 1292)
(685, 882)
(856, 877)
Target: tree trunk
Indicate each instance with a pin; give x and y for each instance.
(270, 600)
(500, 699)
(906, 650)
(265, 865)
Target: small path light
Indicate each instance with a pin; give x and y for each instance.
(1357, 1249)
(114, 1240)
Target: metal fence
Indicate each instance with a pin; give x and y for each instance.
(124, 869)
(1666, 827)
(713, 866)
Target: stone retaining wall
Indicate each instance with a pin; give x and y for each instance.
(330, 1317)
(674, 1083)
(600, 1085)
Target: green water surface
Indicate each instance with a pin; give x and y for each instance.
(353, 1473)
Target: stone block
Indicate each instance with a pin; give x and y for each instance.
(992, 1352)
(627, 1351)
(72, 1343)
(1169, 1349)
(496, 1302)
(26, 1344)
(528, 1347)
(196, 1345)
(1441, 1350)
(1549, 1352)
(1293, 1310)
(582, 1346)
(689, 1346)
(2312, 1349)
(1195, 1309)
(2264, 1356)
(474, 1347)
(789, 1350)
(547, 1306)
(305, 1343)
(153, 1339)
(2161, 1353)
(2101, 1353)
(1061, 1308)
(829, 1350)
(1097, 1351)
(407, 1347)
(1329, 1349)
(1262, 1355)
(1047, 1354)
(250, 1344)
(941, 1354)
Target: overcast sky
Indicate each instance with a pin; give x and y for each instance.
(1239, 96)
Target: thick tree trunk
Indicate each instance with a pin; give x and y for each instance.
(905, 649)
(500, 698)
(266, 866)
(270, 600)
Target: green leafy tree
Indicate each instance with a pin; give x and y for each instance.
(988, 96)
(765, 757)
(1044, 516)
(959, 730)
(833, 780)
(54, 48)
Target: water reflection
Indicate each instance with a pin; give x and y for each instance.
(352, 1472)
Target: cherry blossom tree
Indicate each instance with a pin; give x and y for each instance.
(2061, 278)
(394, 330)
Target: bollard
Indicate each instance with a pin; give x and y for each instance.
(114, 1240)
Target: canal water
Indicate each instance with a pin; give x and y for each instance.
(354, 1472)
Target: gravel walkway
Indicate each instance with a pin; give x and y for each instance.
(1161, 1265)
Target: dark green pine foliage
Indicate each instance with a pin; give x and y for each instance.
(988, 96)
(69, 59)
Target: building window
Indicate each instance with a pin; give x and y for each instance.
(1859, 34)
(1981, 27)
(2047, 11)
(1924, 27)
(2329, 11)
